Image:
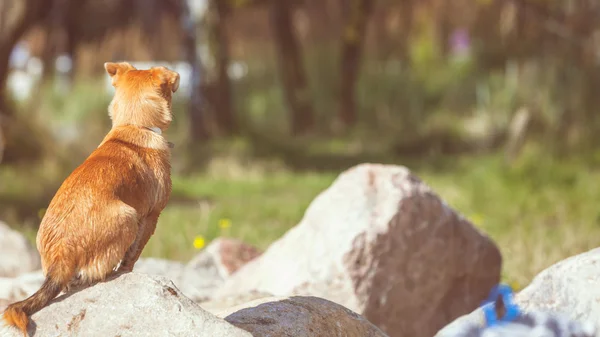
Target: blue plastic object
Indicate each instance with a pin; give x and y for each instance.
(511, 309)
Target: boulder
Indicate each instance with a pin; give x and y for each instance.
(159, 267)
(299, 317)
(24, 285)
(20, 287)
(197, 279)
(199, 284)
(221, 304)
(200, 278)
(3, 304)
(129, 305)
(570, 287)
(528, 324)
(380, 242)
(226, 254)
(17, 255)
(568, 291)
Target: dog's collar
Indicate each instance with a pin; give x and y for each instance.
(158, 131)
(154, 129)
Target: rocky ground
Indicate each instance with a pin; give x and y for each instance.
(377, 254)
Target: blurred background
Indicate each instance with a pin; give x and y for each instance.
(494, 103)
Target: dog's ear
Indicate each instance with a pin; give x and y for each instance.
(168, 77)
(114, 69)
(174, 81)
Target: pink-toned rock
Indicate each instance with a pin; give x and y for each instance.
(227, 254)
(206, 272)
(380, 242)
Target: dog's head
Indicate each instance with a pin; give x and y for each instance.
(142, 97)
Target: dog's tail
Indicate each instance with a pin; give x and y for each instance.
(57, 278)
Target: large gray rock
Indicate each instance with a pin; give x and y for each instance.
(23, 286)
(3, 304)
(221, 304)
(565, 294)
(529, 324)
(129, 305)
(570, 287)
(17, 255)
(381, 243)
(206, 272)
(159, 267)
(198, 279)
(299, 317)
(199, 284)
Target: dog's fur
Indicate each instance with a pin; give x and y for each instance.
(106, 210)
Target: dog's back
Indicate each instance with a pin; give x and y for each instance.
(104, 213)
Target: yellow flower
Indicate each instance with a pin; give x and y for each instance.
(515, 286)
(199, 242)
(224, 223)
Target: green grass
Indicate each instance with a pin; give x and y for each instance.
(538, 210)
(258, 210)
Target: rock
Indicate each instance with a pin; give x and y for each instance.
(570, 287)
(159, 267)
(300, 317)
(3, 304)
(130, 305)
(24, 285)
(216, 306)
(206, 272)
(198, 279)
(381, 243)
(566, 291)
(228, 255)
(533, 323)
(21, 287)
(17, 255)
(199, 284)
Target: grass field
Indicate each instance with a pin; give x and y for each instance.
(539, 211)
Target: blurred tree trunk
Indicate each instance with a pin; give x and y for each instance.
(291, 68)
(23, 14)
(72, 34)
(51, 27)
(220, 98)
(196, 111)
(356, 13)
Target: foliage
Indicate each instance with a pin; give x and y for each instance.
(439, 81)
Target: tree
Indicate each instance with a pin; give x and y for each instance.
(24, 14)
(220, 92)
(198, 127)
(20, 16)
(355, 14)
(291, 67)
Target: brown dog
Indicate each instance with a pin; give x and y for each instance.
(106, 210)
